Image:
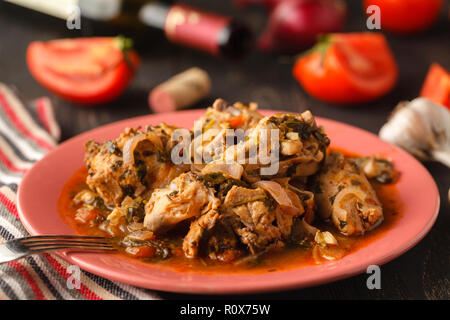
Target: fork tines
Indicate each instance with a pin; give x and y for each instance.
(65, 242)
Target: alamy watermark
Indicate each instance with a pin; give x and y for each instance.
(73, 21)
(374, 19)
(374, 280)
(373, 22)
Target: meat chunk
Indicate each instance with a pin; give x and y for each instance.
(185, 197)
(347, 197)
(131, 165)
(104, 170)
(307, 201)
(303, 144)
(222, 242)
(299, 151)
(239, 195)
(197, 229)
(253, 217)
(211, 132)
(288, 205)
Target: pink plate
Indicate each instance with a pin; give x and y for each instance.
(41, 186)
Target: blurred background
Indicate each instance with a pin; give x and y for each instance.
(264, 76)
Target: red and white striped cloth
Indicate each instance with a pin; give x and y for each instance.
(26, 134)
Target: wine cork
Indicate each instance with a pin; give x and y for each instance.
(180, 91)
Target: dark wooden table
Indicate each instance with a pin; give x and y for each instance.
(421, 273)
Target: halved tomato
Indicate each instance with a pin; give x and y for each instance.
(348, 68)
(83, 70)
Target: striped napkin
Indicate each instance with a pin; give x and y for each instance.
(26, 135)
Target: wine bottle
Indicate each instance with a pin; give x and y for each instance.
(179, 23)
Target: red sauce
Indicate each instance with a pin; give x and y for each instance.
(282, 260)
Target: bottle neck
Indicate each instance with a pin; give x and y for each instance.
(235, 40)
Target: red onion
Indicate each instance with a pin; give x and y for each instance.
(295, 24)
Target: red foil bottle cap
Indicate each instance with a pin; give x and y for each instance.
(194, 28)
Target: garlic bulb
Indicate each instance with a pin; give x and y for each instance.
(422, 128)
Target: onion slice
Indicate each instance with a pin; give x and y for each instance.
(132, 143)
(279, 194)
(229, 170)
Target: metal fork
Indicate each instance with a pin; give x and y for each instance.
(22, 247)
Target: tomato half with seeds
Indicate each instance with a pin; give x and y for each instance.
(348, 68)
(83, 70)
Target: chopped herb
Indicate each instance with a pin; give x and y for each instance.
(212, 179)
(292, 123)
(356, 183)
(228, 184)
(221, 184)
(303, 130)
(274, 120)
(320, 137)
(256, 198)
